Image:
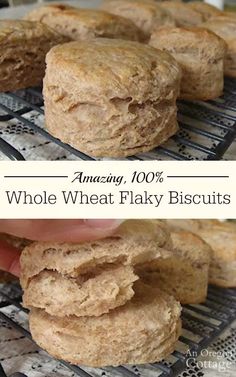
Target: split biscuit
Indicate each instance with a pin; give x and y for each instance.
(94, 277)
(144, 330)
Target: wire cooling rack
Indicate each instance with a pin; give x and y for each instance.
(202, 324)
(207, 129)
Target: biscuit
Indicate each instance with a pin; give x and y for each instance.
(225, 27)
(91, 278)
(24, 45)
(147, 15)
(206, 10)
(144, 330)
(221, 236)
(111, 98)
(201, 55)
(185, 273)
(182, 13)
(83, 24)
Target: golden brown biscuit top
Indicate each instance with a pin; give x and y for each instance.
(18, 30)
(221, 236)
(148, 6)
(190, 40)
(146, 229)
(114, 67)
(90, 18)
(225, 27)
(182, 13)
(191, 246)
(206, 10)
(47, 10)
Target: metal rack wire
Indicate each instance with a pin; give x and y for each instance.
(212, 121)
(201, 324)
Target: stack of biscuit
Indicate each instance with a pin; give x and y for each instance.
(120, 296)
(91, 294)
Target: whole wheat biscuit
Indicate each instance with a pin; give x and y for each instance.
(225, 27)
(221, 236)
(83, 24)
(201, 55)
(111, 97)
(182, 13)
(206, 10)
(185, 273)
(94, 277)
(143, 330)
(24, 45)
(147, 15)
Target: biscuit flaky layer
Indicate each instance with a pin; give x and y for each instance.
(143, 330)
(83, 24)
(93, 277)
(200, 53)
(111, 97)
(24, 45)
(185, 273)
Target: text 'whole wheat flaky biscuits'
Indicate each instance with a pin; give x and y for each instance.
(83, 24)
(111, 97)
(200, 53)
(24, 45)
(184, 274)
(93, 277)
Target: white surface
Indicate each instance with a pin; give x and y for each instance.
(217, 3)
